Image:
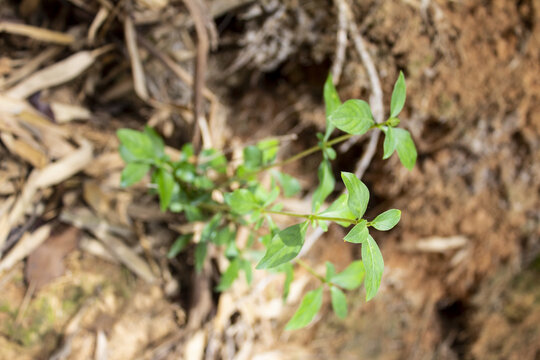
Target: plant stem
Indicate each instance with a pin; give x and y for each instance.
(311, 216)
(312, 271)
(305, 153)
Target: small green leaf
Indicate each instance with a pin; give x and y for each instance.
(389, 143)
(290, 185)
(326, 185)
(331, 102)
(133, 173)
(228, 277)
(351, 277)
(225, 236)
(353, 117)
(358, 194)
(387, 220)
(339, 302)
(374, 266)
(209, 231)
(180, 244)
(269, 149)
(253, 157)
(330, 270)
(398, 96)
(211, 158)
(241, 201)
(284, 246)
(289, 275)
(309, 307)
(405, 148)
(339, 209)
(200, 255)
(157, 141)
(165, 183)
(136, 143)
(358, 233)
(247, 267)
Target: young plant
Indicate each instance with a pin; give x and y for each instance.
(207, 188)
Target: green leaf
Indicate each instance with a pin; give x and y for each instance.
(339, 209)
(269, 149)
(353, 117)
(157, 142)
(309, 307)
(200, 255)
(209, 231)
(290, 185)
(180, 244)
(326, 185)
(133, 173)
(374, 266)
(405, 148)
(330, 270)
(213, 159)
(358, 194)
(351, 277)
(398, 96)
(241, 201)
(331, 102)
(165, 183)
(339, 302)
(246, 266)
(224, 236)
(228, 277)
(387, 220)
(253, 157)
(136, 143)
(289, 275)
(389, 142)
(358, 233)
(284, 246)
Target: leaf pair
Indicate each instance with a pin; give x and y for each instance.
(284, 246)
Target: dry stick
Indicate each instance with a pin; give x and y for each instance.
(337, 66)
(203, 45)
(376, 105)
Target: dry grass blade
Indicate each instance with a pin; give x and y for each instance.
(27, 152)
(100, 18)
(30, 67)
(27, 244)
(4, 221)
(59, 73)
(36, 33)
(136, 65)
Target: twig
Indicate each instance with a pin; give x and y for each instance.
(203, 45)
(341, 46)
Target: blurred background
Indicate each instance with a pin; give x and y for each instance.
(84, 271)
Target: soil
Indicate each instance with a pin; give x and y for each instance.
(461, 269)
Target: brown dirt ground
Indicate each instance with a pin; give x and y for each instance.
(473, 82)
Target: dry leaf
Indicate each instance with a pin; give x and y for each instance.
(28, 243)
(56, 74)
(27, 152)
(46, 262)
(66, 112)
(36, 33)
(28, 68)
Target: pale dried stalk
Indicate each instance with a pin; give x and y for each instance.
(36, 33)
(137, 70)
